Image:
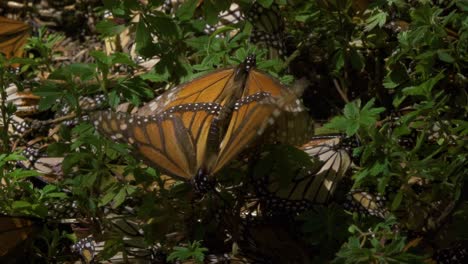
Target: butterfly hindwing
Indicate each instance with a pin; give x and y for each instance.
(304, 183)
(174, 140)
(13, 36)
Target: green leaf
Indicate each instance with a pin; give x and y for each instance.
(60, 195)
(142, 38)
(186, 10)
(20, 204)
(57, 149)
(114, 99)
(47, 102)
(20, 174)
(85, 71)
(194, 250)
(109, 28)
(395, 77)
(339, 123)
(109, 196)
(131, 189)
(211, 12)
(357, 60)
(354, 118)
(397, 200)
(165, 26)
(265, 3)
(425, 88)
(154, 77)
(73, 159)
(445, 56)
(339, 60)
(198, 43)
(378, 19)
(119, 198)
(351, 110)
(49, 89)
(102, 57)
(12, 157)
(122, 58)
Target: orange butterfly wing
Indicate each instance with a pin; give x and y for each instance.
(213, 87)
(13, 36)
(223, 87)
(214, 117)
(174, 141)
(263, 101)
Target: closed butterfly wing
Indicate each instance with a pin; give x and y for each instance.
(308, 184)
(336, 162)
(268, 28)
(13, 36)
(366, 203)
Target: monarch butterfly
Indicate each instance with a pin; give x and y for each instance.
(198, 127)
(86, 248)
(366, 203)
(13, 36)
(132, 243)
(229, 17)
(25, 101)
(14, 235)
(307, 185)
(268, 27)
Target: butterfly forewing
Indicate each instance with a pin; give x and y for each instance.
(213, 87)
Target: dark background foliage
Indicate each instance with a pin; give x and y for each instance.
(390, 73)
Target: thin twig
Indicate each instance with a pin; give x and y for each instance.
(340, 91)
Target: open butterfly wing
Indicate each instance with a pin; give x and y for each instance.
(214, 87)
(214, 117)
(264, 100)
(13, 36)
(174, 141)
(223, 87)
(293, 124)
(246, 125)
